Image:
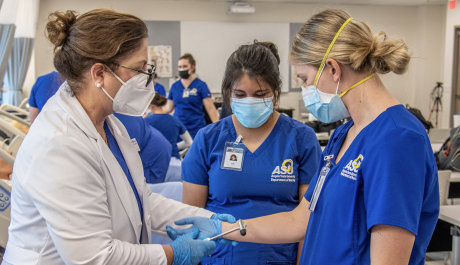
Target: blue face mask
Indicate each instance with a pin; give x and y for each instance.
(327, 108)
(148, 112)
(252, 112)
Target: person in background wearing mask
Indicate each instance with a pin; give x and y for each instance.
(188, 95)
(80, 196)
(270, 168)
(44, 88)
(172, 128)
(159, 88)
(375, 196)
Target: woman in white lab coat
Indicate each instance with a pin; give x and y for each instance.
(79, 193)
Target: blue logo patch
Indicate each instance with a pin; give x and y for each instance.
(5, 199)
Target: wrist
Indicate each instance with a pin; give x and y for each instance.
(169, 252)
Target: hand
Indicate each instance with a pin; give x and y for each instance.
(190, 251)
(208, 227)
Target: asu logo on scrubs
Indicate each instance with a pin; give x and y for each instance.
(193, 92)
(285, 172)
(351, 169)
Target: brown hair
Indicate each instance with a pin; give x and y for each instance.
(356, 46)
(259, 61)
(97, 36)
(158, 100)
(190, 59)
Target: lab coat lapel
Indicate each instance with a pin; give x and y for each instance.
(130, 151)
(122, 186)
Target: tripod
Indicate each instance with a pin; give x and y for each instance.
(436, 96)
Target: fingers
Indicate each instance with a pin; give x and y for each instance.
(195, 233)
(172, 233)
(229, 218)
(210, 246)
(185, 221)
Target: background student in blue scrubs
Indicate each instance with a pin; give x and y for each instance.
(155, 150)
(380, 200)
(172, 129)
(188, 95)
(280, 157)
(44, 88)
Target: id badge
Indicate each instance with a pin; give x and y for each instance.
(186, 93)
(233, 156)
(320, 182)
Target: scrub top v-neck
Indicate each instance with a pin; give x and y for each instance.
(387, 176)
(121, 160)
(268, 182)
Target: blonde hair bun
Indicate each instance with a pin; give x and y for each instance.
(356, 45)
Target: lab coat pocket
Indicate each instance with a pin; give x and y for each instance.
(282, 254)
(17, 255)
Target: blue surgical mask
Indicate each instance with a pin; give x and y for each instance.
(252, 112)
(148, 112)
(325, 107)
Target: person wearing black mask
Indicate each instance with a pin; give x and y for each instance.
(188, 95)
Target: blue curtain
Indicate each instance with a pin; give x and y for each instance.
(6, 46)
(17, 70)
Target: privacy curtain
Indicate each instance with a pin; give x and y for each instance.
(17, 70)
(6, 46)
(18, 64)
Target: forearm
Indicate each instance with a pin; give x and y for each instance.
(165, 211)
(169, 254)
(213, 115)
(278, 228)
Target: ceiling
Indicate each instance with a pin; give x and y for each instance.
(343, 2)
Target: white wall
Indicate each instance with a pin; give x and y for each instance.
(452, 20)
(422, 27)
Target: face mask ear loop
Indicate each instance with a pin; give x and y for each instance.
(107, 94)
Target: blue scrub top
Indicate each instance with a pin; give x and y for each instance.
(261, 188)
(190, 110)
(155, 149)
(388, 176)
(170, 126)
(121, 160)
(44, 88)
(160, 89)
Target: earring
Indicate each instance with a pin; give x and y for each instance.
(98, 85)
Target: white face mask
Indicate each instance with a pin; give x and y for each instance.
(133, 97)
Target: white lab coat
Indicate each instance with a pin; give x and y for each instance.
(71, 201)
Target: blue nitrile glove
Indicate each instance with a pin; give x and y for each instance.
(208, 227)
(189, 251)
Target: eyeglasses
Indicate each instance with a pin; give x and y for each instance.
(150, 72)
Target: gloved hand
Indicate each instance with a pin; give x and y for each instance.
(189, 251)
(208, 227)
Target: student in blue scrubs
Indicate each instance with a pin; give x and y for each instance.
(280, 156)
(44, 88)
(379, 203)
(159, 88)
(188, 95)
(171, 128)
(155, 149)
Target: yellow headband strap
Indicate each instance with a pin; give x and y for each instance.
(357, 84)
(329, 49)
